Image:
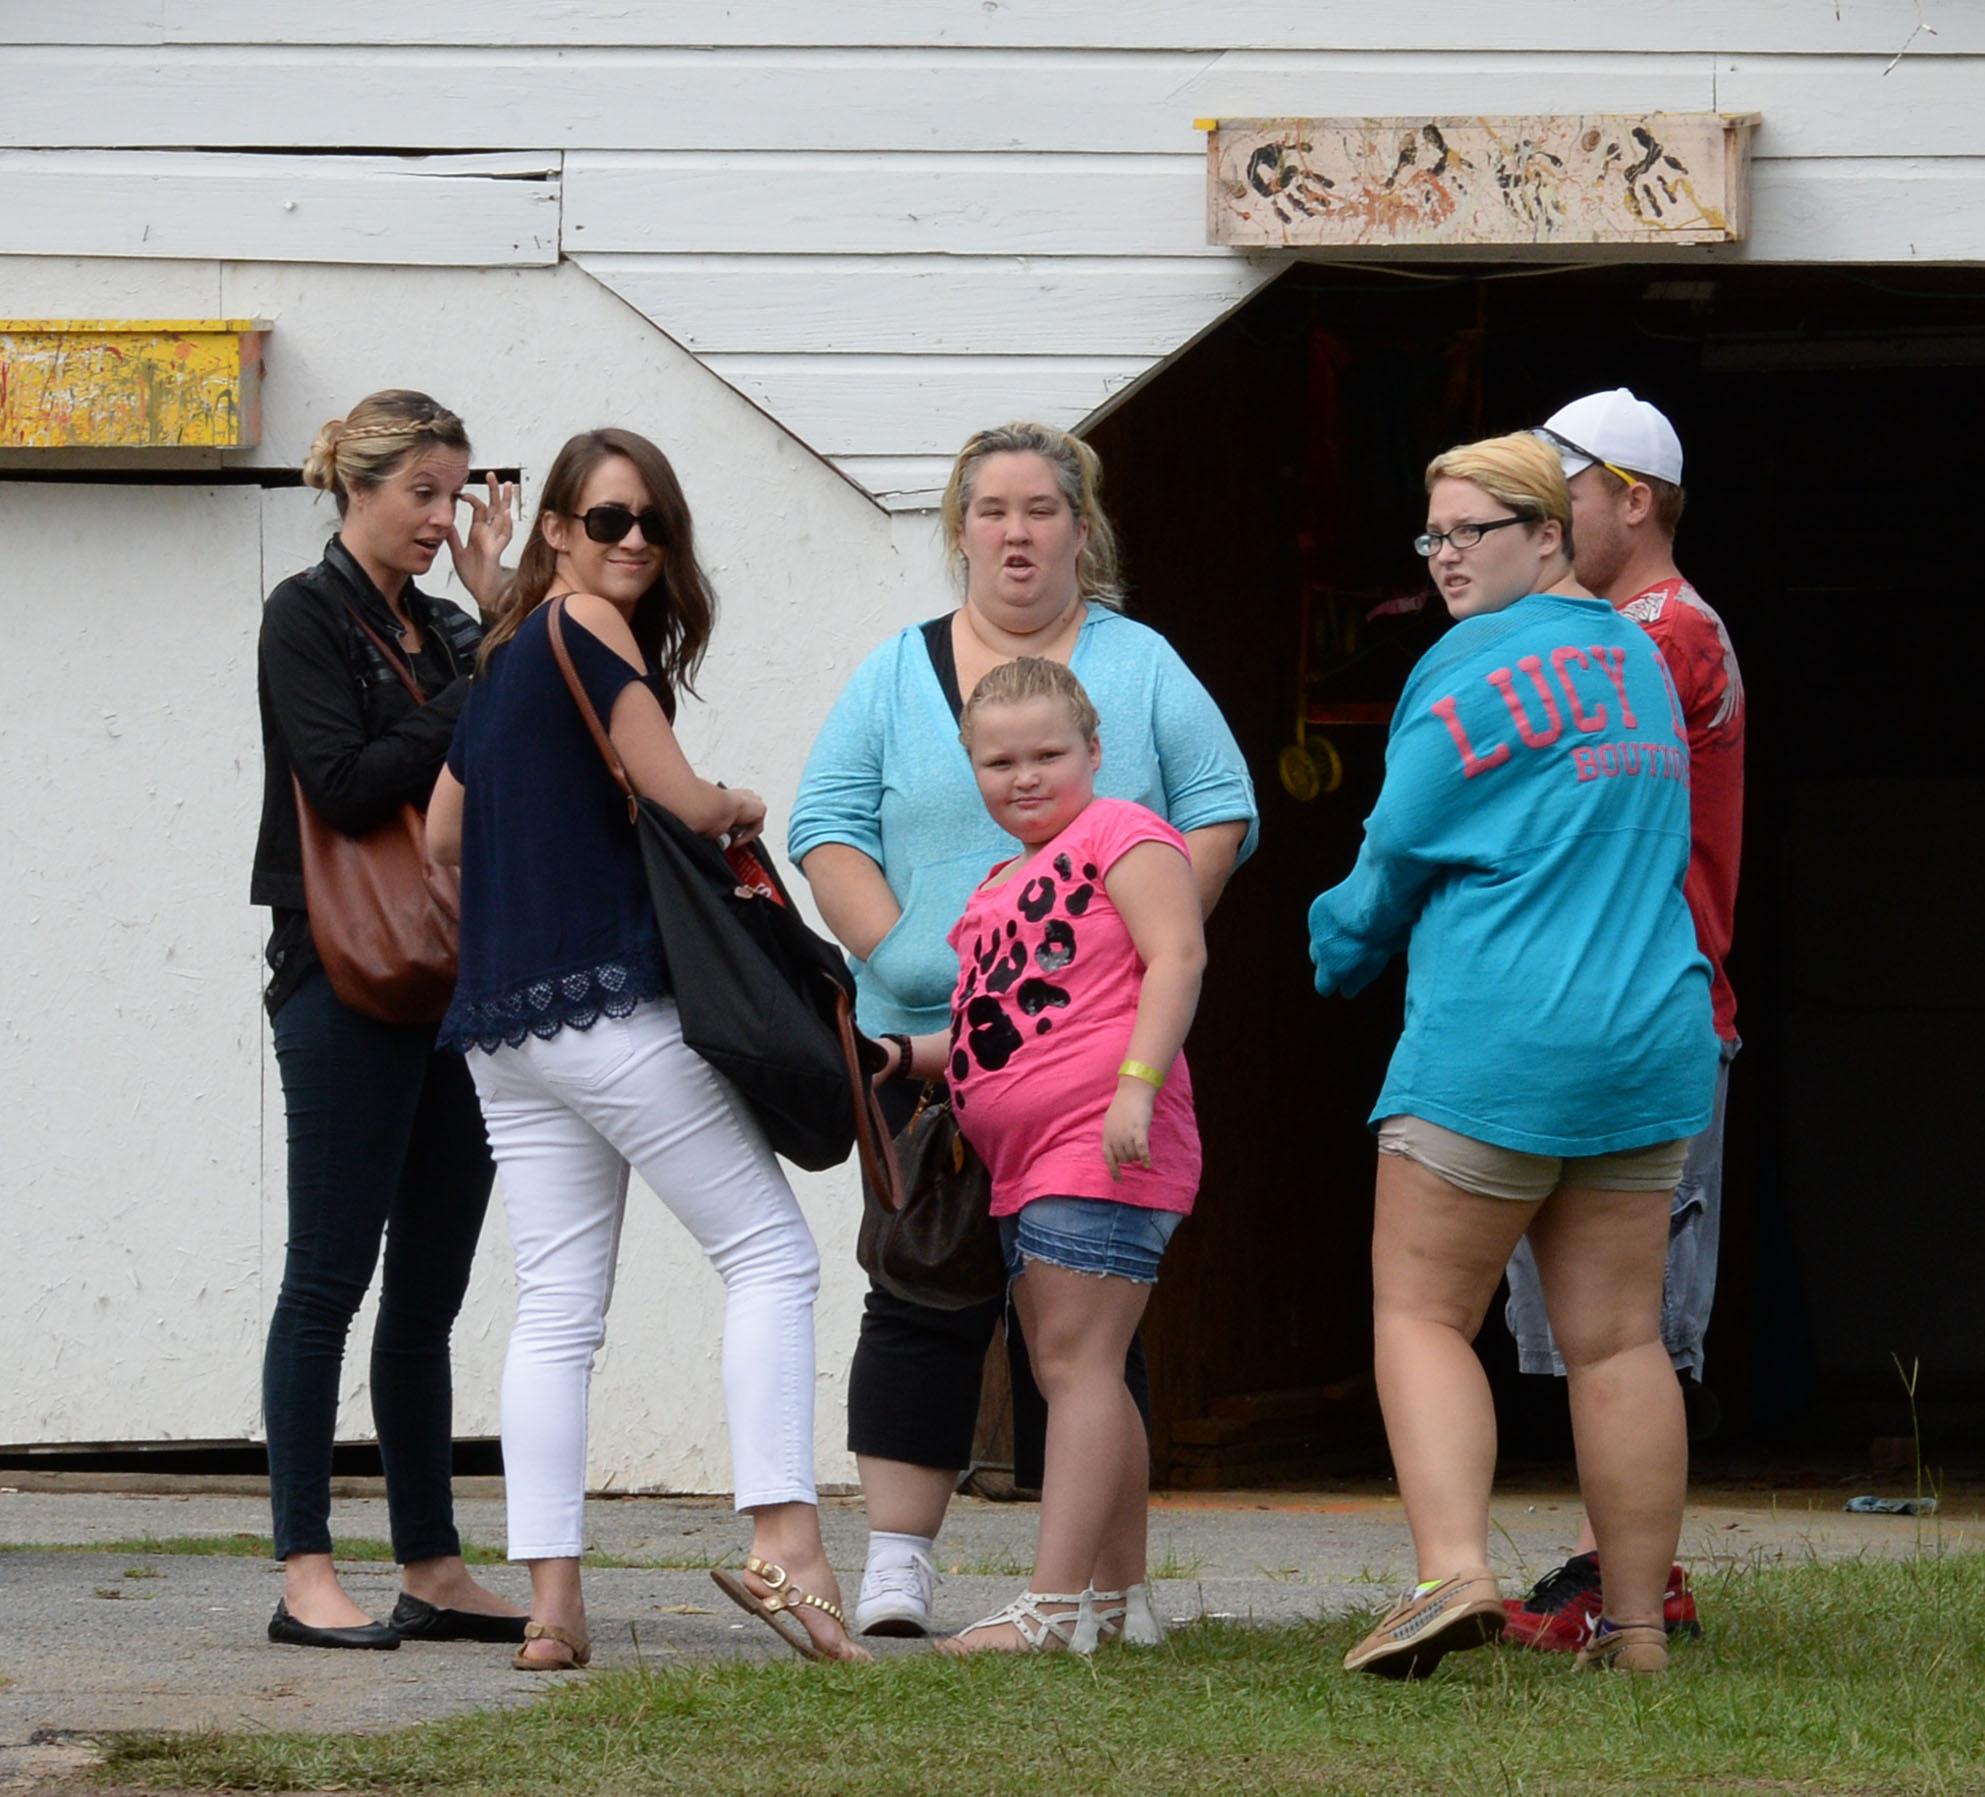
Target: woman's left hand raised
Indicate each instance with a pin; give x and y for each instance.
(479, 560)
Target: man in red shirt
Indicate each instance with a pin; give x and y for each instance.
(1623, 461)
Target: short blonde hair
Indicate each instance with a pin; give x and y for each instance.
(1079, 474)
(370, 442)
(1525, 473)
(1030, 677)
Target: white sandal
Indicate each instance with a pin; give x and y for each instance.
(1038, 1632)
(1113, 1616)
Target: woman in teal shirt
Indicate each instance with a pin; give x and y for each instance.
(1527, 853)
(892, 835)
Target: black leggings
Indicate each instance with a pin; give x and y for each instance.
(385, 1143)
(913, 1392)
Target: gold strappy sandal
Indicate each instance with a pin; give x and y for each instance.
(580, 1649)
(777, 1611)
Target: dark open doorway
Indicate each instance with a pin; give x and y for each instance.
(1829, 418)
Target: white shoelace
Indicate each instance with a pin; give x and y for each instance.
(915, 1578)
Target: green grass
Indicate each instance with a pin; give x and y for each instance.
(994, 1565)
(357, 1549)
(1172, 1564)
(1857, 1678)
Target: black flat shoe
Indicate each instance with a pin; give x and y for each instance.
(416, 1620)
(284, 1627)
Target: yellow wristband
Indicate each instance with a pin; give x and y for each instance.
(1145, 1071)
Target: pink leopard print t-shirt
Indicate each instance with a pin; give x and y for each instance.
(1048, 980)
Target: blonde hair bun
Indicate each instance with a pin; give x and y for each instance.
(320, 466)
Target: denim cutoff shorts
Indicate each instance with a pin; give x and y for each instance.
(1089, 1235)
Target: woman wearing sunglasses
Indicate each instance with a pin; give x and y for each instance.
(1527, 852)
(563, 1010)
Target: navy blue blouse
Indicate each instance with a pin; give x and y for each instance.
(557, 926)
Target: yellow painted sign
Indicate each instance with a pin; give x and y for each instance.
(147, 383)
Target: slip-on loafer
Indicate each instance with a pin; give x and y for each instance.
(283, 1627)
(416, 1620)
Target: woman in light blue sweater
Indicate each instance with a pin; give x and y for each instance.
(1527, 853)
(892, 835)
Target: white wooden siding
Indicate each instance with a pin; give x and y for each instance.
(888, 222)
(814, 99)
(962, 305)
(464, 211)
(841, 404)
(1862, 27)
(1866, 209)
(941, 101)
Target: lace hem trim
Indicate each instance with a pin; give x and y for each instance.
(574, 1000)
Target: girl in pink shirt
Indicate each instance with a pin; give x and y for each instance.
(1079, 967)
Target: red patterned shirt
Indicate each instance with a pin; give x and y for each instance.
(1697, 649)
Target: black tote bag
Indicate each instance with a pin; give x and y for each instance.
(762, 998)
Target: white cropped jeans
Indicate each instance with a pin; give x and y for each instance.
(566, 1118)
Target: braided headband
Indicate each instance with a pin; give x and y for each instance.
(436, 423)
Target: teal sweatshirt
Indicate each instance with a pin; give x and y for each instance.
(888, 776)
(1527, 852)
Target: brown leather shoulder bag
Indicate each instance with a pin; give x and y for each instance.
(385, 918)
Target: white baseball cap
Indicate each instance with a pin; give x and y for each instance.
(1615, 427)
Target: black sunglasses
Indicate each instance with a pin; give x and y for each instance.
(610, 523)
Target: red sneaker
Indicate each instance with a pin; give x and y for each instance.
(1562, 1608)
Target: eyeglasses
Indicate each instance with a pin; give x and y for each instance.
(610, 523)
(1463, 536)
(1558, 441)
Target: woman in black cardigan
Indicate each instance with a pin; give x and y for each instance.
(385, 1138)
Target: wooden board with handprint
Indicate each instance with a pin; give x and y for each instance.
(1549, 180)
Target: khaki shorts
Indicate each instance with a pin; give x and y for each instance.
(1492, 1172)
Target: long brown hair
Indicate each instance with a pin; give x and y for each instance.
(674, 617)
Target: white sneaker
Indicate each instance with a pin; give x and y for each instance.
(896, 1598)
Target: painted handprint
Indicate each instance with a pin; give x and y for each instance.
(1292, 189)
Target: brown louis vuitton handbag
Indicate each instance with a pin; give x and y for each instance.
(384, 917)
(940, 1246)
